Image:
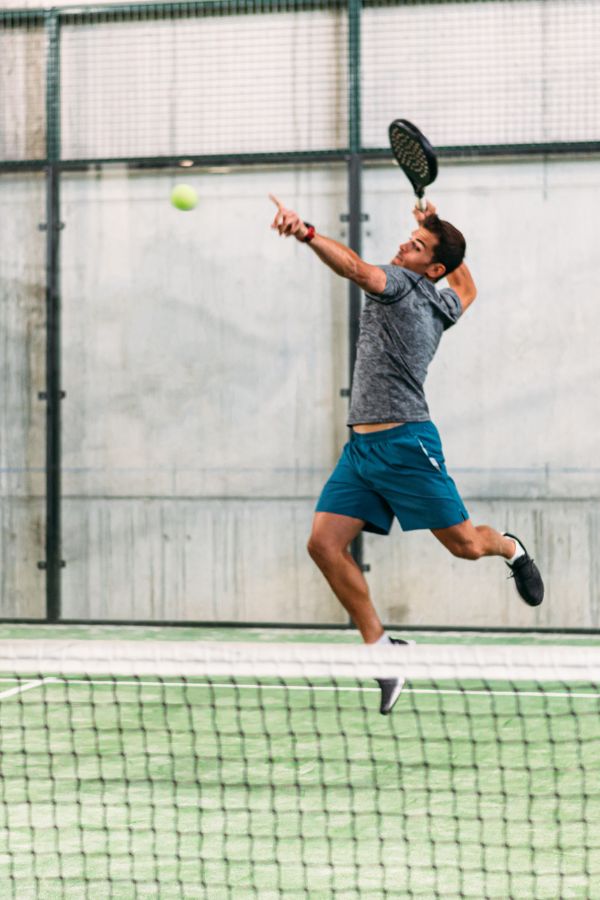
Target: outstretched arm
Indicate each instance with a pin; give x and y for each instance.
(461, 280)
(341, 259)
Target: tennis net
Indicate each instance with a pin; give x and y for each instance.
(133, 769)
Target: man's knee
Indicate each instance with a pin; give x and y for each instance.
(317, 547)
(322, 549)
(467, 548)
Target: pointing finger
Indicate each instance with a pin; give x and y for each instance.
(277, 202)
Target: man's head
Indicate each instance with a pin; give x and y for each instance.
(434, 249)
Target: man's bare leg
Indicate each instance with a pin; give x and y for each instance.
(472, 542)
(469, 541)
(328, 546)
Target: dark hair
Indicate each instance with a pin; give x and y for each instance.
(451, 246)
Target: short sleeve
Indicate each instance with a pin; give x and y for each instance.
(398, 281)
(449, 304)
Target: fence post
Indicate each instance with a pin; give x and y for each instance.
(53, 393)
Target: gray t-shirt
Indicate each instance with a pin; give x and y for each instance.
(400, 330)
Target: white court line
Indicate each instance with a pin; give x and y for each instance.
(28, 686)
(297, 687)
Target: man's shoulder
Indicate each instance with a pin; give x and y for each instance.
(398, 281)
(447, 302)
(400, 272)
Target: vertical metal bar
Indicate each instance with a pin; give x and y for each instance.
(53, 562)
(354, 195)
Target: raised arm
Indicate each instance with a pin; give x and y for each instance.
(341, 259)
(461, 282)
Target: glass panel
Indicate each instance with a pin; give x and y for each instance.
(203, 359)
(22, 414)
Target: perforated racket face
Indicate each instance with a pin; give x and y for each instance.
(413, 153)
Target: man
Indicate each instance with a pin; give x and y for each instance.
(393, 464)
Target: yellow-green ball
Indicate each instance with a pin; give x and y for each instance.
(184, 197)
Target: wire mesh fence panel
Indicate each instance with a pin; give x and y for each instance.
(215, 79)
(519, 72)
(251, 78)
(23, 60)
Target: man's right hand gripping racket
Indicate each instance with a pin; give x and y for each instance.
(415, 156)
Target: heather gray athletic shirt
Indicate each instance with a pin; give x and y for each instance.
(400, 330)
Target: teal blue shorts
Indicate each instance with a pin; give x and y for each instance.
(397, 472)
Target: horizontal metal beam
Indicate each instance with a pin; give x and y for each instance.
(17, 18)
(23, 165)
(200, 161)
(466, 152)
(385, 4)
(474, 151)
(111, 12)
(128, 11)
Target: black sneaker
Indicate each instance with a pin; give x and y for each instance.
(527, 577)
(391, 688)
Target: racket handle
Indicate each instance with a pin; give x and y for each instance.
(422, 203)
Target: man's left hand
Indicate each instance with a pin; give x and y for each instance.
(421, 214)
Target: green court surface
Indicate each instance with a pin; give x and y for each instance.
(168, 788)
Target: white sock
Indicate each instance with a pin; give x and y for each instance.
(520, 551)
(384, 639)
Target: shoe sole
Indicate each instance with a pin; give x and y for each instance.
(401, 681)
(393, 697)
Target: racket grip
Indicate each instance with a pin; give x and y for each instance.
(422, 203)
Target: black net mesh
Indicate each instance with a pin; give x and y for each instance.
(233, 785)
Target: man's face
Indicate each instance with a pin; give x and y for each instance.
(417, 253)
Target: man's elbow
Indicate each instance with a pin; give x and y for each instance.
(467, 297)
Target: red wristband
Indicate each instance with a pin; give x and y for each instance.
(309, 234)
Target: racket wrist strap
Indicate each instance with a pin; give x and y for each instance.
(309, 234)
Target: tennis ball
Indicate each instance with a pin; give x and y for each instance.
(184, 197)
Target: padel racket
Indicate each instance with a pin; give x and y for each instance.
(415, 156)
